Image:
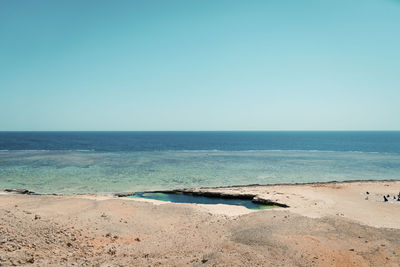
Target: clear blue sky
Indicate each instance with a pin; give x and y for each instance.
(200, 65)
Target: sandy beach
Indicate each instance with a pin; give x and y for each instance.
(326, 224)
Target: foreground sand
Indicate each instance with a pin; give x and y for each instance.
(326, 225)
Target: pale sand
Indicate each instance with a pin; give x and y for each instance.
(326, 225)
(347, 200)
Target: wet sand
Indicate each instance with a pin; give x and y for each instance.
(331, 224)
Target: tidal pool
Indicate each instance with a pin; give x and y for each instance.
(187, 198)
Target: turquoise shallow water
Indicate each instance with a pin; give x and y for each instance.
(72, 172)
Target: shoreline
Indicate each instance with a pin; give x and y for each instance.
(121, 194)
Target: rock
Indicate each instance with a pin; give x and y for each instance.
(112, 251)
(263, 201)
(19, 191)
(124, 194)
(37, 217)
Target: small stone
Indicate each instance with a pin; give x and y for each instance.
(112, 251)
(137, 239)
(37, 217)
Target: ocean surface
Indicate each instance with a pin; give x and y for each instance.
(106, 162)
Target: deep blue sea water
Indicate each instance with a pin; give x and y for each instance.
(228, 141)
(90, 162)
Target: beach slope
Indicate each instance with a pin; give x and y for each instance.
(331, 224)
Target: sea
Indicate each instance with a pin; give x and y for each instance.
(111, 162)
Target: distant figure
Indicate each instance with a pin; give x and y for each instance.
(398, 199)
(385, 199)
(368, 193)
(388, 195)
(394, 197)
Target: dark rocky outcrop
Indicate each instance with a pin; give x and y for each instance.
(19, 191)
(209, 194)
(124, 194)
(269, 202)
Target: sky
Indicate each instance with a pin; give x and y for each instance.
(199, 65)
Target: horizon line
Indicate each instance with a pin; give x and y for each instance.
(199, 131)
